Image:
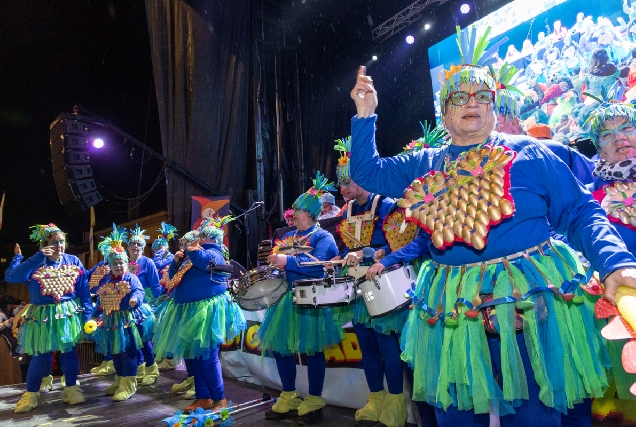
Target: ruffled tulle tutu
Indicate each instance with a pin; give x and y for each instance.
(393, 322)
(452, 361)
(191, 330)
(51, 327)
(160, 309)
(125, 329)
(288, 330)
(150, 298)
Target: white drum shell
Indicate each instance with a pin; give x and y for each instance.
(386, 294)
(314, 294)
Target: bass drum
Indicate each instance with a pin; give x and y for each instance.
(260, 288)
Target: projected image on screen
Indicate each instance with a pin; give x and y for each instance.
(562, 48)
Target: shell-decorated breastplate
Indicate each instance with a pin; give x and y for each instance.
(57, 282)
(356, 231)
(178, 276)
(98, 275)
(111, 294)
(462, 204)
(620, 203)
(164, 276)
(397, 231)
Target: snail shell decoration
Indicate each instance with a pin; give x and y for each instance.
(57, 282)
(111, 294)
(620, 203)
(462, 204)
(98, 275)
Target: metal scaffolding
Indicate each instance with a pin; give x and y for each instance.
(406, 16)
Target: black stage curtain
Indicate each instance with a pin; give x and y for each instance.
(200, 57)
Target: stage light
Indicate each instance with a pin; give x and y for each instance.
(427, 26)
(465, 8)
(98, 143)
(410, 39)
(374, 57)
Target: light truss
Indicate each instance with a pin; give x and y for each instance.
(405, 17)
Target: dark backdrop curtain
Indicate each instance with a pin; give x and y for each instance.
(200, 56)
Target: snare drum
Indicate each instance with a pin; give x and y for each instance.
(324, 293)
(358, 271)
(386, 294)
(260, 288)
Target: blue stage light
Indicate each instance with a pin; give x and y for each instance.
(410, 39)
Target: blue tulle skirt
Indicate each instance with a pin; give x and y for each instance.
(125, 329)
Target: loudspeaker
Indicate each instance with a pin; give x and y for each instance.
(70, 162)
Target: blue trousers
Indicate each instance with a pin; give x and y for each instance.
(531, 413)
(380, 359)
(208, 378)
(316, 367)
(40, 367)
(126, 363)
(188, 365)
(146, 354)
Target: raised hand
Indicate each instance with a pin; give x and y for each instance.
(178, 255)
(47, 251)
(195, 246)
(17, 250)
(364, 94)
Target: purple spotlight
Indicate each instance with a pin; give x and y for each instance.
(410, 39)
(98, 143)
(465, 8)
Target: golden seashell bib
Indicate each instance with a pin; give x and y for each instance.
(461, 204)
(111, 294)
(356, 231)
(619, 202)
(98, 275)
(57, 282)
(178, 276)
(397, 231)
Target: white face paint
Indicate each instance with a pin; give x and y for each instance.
(617, 140)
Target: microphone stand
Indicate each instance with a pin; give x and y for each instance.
(245, 223)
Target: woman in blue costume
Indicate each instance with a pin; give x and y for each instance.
(145, 270)
(287, 330)
(95, 276)
(60, 304)
(200, 316)
(486, 202)
(125, 322)
(378, 338)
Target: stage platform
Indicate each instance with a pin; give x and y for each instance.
(146, 408)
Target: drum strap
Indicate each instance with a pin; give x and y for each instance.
(367, 216)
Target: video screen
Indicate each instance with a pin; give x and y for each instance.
(562, 48)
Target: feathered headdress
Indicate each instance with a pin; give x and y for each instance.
(41, 232)
(137, 235)
(432, 137)
(505, 103)
(310, 200)
(342, 170)
(212, 228)
(475, 61)
(189, 237)
(611, 108)
(112, 246)
(168, 232)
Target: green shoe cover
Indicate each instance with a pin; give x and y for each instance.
(288, 401)
(27, 402)
(73, 395)
(152, 373)
(371, 411)
(166, 365)
(63, 381)
(96, 369)
(112, 389)
(184, 386)
(394, 412)
(127, 387)
(47, 383)
(141, 372)
(190, 394)
(310, 404)
(108, 369)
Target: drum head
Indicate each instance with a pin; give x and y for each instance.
(262, 294)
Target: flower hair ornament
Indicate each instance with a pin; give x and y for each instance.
(432, 137)
(41, 232)
(342, 170)
(310, 200)
(168, 232)
(112, 246)
(610, 109)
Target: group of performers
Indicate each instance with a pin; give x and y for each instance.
(500, 328)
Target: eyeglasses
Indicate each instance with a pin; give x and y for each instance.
(137, 244)
(460, 98)
(57, 242)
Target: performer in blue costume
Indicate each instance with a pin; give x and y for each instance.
(487, 202)
(287, 330)
(145, 270)
(60, 304)
(95, 276)
(200, 316)
(125, 323)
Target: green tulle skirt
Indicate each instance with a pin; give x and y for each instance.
(452, 361)
(289, 330)
(51, 327)
(193, 329)
(124, 330)
(393, 322)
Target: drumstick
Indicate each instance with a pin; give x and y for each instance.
(351, 237)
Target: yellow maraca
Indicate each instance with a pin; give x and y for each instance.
(90, 326)
(626, 303)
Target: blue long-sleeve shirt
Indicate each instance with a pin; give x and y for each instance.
(148, 275)
(384, 207)
(162, 259)
(544, 190)
(196, 284)
(136, 291)
(325, 249)
(21, 273)
(581, 166)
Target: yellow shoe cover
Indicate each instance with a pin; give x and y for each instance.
(63, 381)
(310, 404)
(166, 365)
(112, 389)
(127, 387)
(184, 386)
(190, 394)
(73, 395)
(394, 413)
(27, 402)
(371, 411)
(108, 369)
(141, 372)
(287, 401)
(152, 373)
(47, 383)
(96, 369)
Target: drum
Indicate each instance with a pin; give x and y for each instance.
(260, 288)
(358, 271)
(324, 293)
(386, 294)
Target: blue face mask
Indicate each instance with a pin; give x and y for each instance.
(608, 136)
